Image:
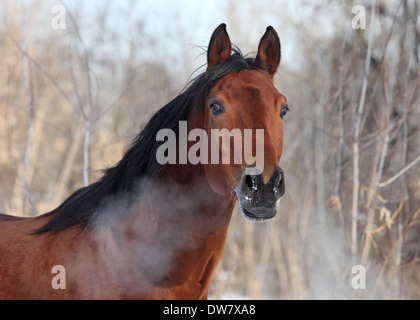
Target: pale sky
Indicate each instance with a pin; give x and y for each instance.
(180, 27)
(185, 24)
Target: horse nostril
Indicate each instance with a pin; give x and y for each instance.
(278, 183)
(278, 179)
(251, 182)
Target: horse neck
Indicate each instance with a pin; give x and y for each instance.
(184, 201)
(186, 191)
(174, 237)
(169, 235)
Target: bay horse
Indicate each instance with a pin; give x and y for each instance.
(150, 231)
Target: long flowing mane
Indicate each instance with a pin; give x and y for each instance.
(140, 161)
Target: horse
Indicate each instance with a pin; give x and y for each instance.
(147, 230)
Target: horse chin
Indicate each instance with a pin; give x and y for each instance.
(255, 214)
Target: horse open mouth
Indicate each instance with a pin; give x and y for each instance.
(258, 214)
(259, 201)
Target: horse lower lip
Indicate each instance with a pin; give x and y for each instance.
(265, 215)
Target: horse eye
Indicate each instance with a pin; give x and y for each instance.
(216, 109)
(284, 110)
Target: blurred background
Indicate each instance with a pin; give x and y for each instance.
(76, 89)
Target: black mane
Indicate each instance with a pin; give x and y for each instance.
(140, 160)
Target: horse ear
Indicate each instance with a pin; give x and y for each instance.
(220, 47)
(269, 51)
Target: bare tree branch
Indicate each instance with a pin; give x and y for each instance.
(356, 135)
(400, 173)
(26, 76)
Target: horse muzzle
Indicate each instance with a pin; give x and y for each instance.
(259, 201)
